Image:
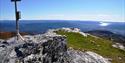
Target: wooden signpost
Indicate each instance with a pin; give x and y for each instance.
(17, 16)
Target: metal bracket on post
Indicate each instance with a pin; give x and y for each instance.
(18, 16)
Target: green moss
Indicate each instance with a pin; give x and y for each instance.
(95, 44)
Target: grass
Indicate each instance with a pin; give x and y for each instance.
(6, 35)
(91, 43)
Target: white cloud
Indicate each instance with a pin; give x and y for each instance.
(92, 17)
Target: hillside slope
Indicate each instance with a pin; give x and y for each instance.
(95, 44)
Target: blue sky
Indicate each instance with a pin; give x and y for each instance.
(94, 10)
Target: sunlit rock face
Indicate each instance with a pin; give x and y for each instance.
(53, 50)
(45, 48)
(86, 57)
(47, 52)
(75, 30)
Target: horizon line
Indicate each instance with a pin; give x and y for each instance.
(61, 20)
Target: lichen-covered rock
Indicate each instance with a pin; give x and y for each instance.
(54, 50)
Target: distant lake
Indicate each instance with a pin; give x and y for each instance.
(41, 26)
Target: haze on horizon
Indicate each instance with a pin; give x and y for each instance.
(94, 10)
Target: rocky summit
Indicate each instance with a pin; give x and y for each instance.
(44, 48)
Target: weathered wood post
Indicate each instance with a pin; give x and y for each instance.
(17, 16)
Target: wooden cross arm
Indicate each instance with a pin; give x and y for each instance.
(14, 0)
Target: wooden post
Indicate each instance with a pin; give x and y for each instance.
(17, 16)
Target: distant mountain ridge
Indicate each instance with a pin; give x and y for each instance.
(108, 35)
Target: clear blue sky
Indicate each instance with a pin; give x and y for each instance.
(96, 10)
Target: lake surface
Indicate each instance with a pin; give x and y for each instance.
(41, 26)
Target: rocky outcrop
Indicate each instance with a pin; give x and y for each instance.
(118, 45)
(74, 30)
(86, 57)
(52, 51)
(45, 48)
